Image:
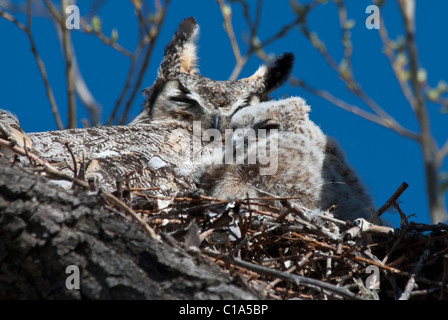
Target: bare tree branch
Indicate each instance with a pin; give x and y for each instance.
(86, 28)
(356, 110)
(254, 44)
(226, 12)
(428, 145)
(145, 44)
(443, 152)
(149, 41)
(67, 53)
(40, 64)
(397, 64)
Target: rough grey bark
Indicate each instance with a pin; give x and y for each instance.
(44, 229)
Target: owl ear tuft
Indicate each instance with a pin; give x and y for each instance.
(180, 53)
(278, 71)
(274, 74)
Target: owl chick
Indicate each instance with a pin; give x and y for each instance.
(303, 162)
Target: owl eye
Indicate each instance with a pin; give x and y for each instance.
(185, 102)
(249, 100)
(238, 109)
(267, 124)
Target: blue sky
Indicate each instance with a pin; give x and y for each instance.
(382, 158)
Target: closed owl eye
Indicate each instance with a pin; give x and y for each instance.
(185, 101)
(238, 109)
(267, 124)
(248, 101)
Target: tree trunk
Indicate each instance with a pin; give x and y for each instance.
(44, 229)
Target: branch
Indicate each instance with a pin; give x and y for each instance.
(86, 28)
(387, 123)
(226, 12)
(427, 143)
(443, 291)
(43, 73)
(410, 285)
(344, 71)
(396, 64)
(363, 227)
(294, 279)
(254, 44)
(443, 152)
(345, 39)
(67, 53)
(392, 199)
(148, 39)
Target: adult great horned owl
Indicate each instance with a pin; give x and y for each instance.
(303, 162)
(157, 149)
(179, 92)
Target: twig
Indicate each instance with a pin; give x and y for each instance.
(394, 246)
(442, 153)
(75, 166)
(397, 271)
(363, 226)
(276, 281)
(317, 285)
(392, 199)
(25, 153)
(117, 212)
(40, 65)
(344, 69)
(387, 123)
(396, 65)
(345, 39)
(427, 143)
(67, 53)
(148, 40)
(403, 219)
(144, 189)
(423, 227)
(131, 212)
(86, 28)
(443, 292)
(254, 45)
(411, 282)
(227, 14)
(381, 265)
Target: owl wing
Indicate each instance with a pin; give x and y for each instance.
(156, 155)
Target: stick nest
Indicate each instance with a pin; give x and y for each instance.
(287, 251)
(294, 253)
